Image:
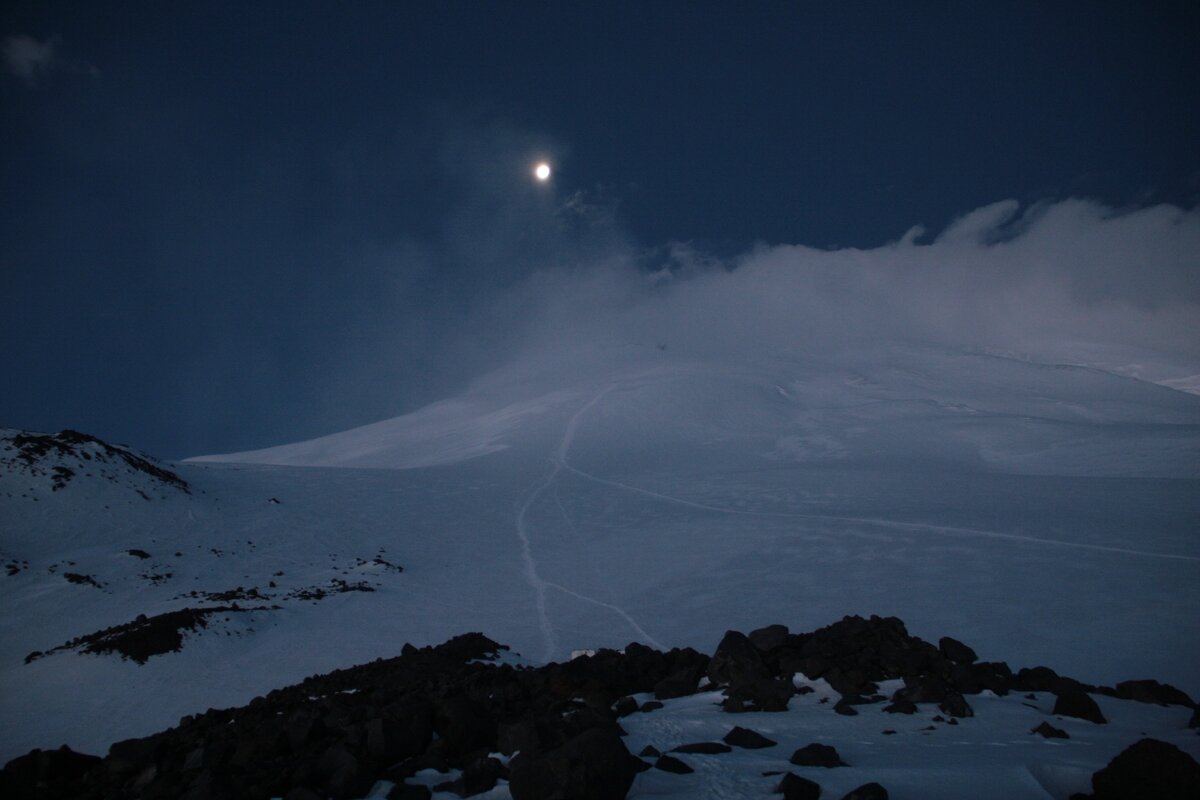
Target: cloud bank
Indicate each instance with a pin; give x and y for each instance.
(537, 278)
(1069, 281)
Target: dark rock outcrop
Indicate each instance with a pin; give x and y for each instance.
(845, 708)
(682, 682)
(763, 694)
(1048, 731)
(672, 764)
(793, 787)
(901, 705)
(737, 662)
(1044, 679)
(595, 765)
(145, 637)
(748, 739)
(868, 791)
(956, 651)
(956, 705)
(625, 706)
(768, 638)
(1146, 691)
(447, 707)
(56, 772)
(44, 454)
(817, 755)
(1148, 768)
(1075, 703)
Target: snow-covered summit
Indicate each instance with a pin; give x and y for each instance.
(879, 407)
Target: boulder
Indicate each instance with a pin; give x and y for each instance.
(817, 755)
(1048, 731)
(810, 666)
(135, 751)
(992, 675)
(390, 740)
(956, 651)
(680, 683)
(478, 777)
(672, 764)
(868, 791)
(341, 773)
(768, 638)
(845, 708)
(736, 662)
(848, 682)
(793, 787)
(643, 666)
(463, 725)
(595, 765)
(302, 727)
(1078, 704)
(625, 706)
(45, 768)
(763, 694)
(1153, 692)
(705, 748)
(750, 740)
(956, 706)
(1148, 768)
(923, 689)
(528, 735)
(1044, 679)
(901, 705)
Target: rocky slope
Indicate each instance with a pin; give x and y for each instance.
(461, 719)
(57, 458)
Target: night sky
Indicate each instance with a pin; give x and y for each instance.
(233, 225)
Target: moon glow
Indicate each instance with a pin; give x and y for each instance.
(542, 171)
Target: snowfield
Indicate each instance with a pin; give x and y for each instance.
(1045, 514)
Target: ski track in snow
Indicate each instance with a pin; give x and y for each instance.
(560, 463)
(532, 575)
(531, 571)
(882, 523)
(591, 563)
(632, 622)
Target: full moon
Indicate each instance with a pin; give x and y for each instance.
(542, 171)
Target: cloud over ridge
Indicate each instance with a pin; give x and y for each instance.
(1071, 280)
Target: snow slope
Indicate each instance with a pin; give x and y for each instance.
(1045, 514)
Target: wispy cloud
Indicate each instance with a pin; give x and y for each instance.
(31, 60)
(1071, 281)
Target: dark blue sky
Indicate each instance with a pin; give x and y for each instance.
(229, 225)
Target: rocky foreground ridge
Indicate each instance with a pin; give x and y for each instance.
(457, 707)
(58, 458)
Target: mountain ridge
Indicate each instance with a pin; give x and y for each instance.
(459, 719)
